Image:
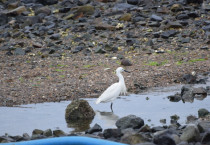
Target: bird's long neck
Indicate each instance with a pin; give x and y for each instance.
(120, 76)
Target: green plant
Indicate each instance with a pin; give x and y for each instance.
(59, 70)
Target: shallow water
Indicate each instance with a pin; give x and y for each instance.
(25, 118)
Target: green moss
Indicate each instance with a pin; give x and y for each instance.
(195, 60)
(88, 66)
(59, 70)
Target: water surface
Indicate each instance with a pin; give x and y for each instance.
(151, 106)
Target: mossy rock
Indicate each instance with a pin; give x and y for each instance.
(86, 10)
(79, 110)
(125, 17)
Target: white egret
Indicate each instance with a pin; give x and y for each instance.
(112, 92)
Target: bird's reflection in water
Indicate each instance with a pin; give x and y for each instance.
(108, 117)
(79, 125)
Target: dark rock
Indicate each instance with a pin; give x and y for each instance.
(130, 121)
(206, 28)
(189, 78)
(17, 11)
(187, 94)
(37, 131)
(79, 109)
(176, 7)
(164, 137)
(95, 128)
(185, 40)
(190, 134)
(156, 18)
(47, 2)
(182, 16)
(3, 19)
(153, 24)
(19, 51)
(200, 93)
(203, 126)
(194, 1)
(138, 18)
(126, 62)
(191, 119)
(133, 2)
(125, 17)
(55, 36)
(58, 133)
(156, 34)
(193, 14)
(78, 49)
(203, 112)
(169, 33)
(6, 139)
(112, 133)
(64, 10)
(174, 24)
(164, 140)
(37, 136)
(157, 128)
(100, 50)
(26, 136)
(46, 10)
(133, 138)
(175, 98)
(206, 137)
(48, 133)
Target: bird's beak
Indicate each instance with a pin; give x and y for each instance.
(126, 71)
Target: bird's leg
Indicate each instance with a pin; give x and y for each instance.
(111, 106)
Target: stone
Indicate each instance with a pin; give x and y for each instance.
(6, 139)
(133, 2)
(187, 94)
(176, 8)
(156, 18)
(78, 49)
(37, 131)
(56, 36)
(99, 50)
(58, 133)
(164, 137)
(26, 136)
(182, 16)
(203, 126)
(174, 24)
(175, 98)
(48, 133)
(17, 11)
(95, 128)
(203, 112)
(79, 109)
(185, 40)
(133, 138)
(47, 2)
(85, 10)
(3, 19)
(130, 121)
(125, 17)
(126, 62)
(200, 90)
(194, 1)
(206, 137)
(137, 19)
(190, 134)
(112, 133)
(169, 33)
(45, 10)
(19, 51)
(189, 78)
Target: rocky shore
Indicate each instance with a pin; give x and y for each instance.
(132, 130)
(59, 50)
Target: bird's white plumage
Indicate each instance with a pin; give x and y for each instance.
(112, 92)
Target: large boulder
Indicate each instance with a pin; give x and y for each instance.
(79, 110)
(190, 134)
(130, 121)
